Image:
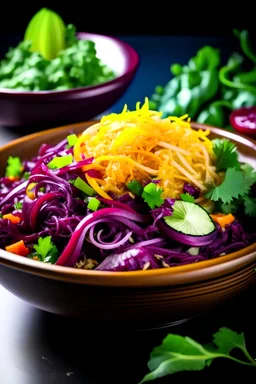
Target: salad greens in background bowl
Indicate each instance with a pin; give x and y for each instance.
(57, 76)
(109, 219)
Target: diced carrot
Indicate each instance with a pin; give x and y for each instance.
(223, 219)
(14, 219)
(18, 248)
(13, 178)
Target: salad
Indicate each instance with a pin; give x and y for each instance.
(135, 191)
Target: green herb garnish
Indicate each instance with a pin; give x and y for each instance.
(187, 197)
(93, 204)
(45, 250)
(250, 206)
(135, 187)
(18, 205)
(26, 175)
(14, 167)
(60, 162)
(232, 187)
(178, 353)
(226, 154)
(83, 186)
(152, 195)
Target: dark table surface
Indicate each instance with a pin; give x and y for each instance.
(42, 348)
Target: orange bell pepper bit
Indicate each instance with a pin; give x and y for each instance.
(223, 219)
(18, 248)
(14, 219)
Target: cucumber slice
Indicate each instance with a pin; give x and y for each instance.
(190, 219)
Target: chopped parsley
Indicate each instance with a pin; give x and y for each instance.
(135, 187)
(14, 167)
(26, 175)
(45, 250)
(18, 205)
(152, 195)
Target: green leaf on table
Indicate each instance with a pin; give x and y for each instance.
(178, 353)
(226, 340)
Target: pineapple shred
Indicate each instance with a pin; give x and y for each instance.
(141, 145)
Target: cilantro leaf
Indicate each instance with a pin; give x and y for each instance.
(152, 195)
(18, 205)
(178, 353)
(135, 187)
(14, 167)
(226, 340)
(233, 186)
(226, 154)
(249, 174)
(250, 206)
(46, 251)
(187, 197)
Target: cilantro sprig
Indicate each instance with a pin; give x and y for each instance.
(234, 193)
(233, 186)
(178, 353)
(226, 154)
(150, 193)
(45, 250)
(135, 187)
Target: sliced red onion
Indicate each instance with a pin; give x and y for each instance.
(112, 245)
(14, 192)
(72, 251)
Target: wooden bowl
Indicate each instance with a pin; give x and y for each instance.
(149, 298)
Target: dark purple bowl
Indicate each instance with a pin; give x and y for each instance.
(52, 108)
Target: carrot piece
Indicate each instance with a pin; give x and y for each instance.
(93, 183)
(13, 178)
(18, 248)
(14, 219)
(223, 219)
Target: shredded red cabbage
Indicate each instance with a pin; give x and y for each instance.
(122, 235)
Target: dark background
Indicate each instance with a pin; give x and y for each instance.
(180, 17)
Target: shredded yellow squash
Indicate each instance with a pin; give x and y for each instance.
(141, 145)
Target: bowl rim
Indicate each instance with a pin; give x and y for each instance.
(156, 277)
(134, 59)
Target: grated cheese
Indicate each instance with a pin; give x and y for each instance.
(141, 145)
